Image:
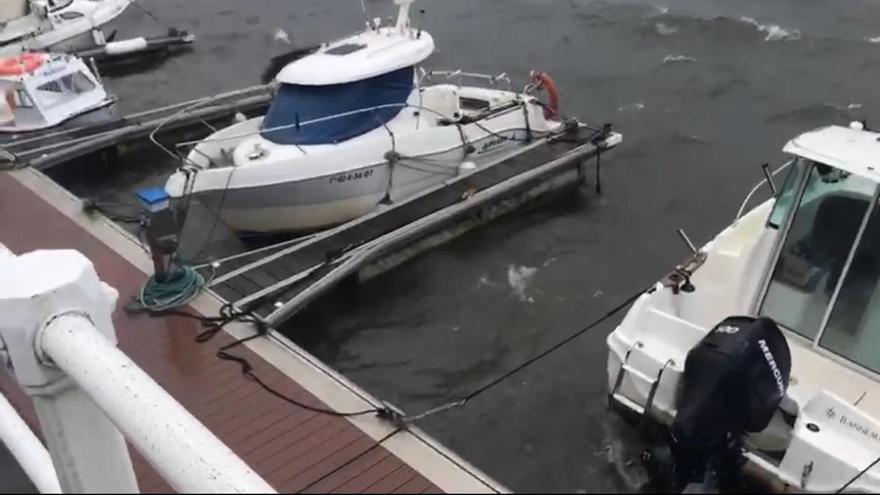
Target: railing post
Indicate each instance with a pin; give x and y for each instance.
(88, 451)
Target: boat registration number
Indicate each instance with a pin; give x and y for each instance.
(351, 176)
(491, 144)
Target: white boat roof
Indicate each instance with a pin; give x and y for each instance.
(362, 56)
(853, 150)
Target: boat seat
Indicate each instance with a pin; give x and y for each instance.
(838, 220)
(443, 102)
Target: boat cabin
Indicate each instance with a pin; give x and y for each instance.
(43, 90)
(823, 283)
(349, 87)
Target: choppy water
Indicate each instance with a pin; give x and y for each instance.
(704, 90)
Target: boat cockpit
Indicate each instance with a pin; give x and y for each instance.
(824, 283)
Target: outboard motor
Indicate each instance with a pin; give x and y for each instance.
(733, 382)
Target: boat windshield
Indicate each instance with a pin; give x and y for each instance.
(304, 115)
(58, 4)
(61, 90)
(826, 282)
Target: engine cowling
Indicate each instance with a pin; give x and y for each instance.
(733, 383)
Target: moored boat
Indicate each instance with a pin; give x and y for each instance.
(761, 350)
(358, 123)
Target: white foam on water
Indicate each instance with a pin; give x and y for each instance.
(519, 278)
(282, 36)
(774, 32)
(665, 30)
(849, 107)
(633, 107)
(678, 59)
(875, 39)
(661, 10)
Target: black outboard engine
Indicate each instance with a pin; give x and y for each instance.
(733, 382)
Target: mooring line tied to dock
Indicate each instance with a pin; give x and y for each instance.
(401, 421)
(461, 402)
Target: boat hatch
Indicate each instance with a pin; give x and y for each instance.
(825, 281)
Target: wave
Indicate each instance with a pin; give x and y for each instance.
(632, 107)
(719, 27)
(519, 278)
(815, 114)
(774, 32)
(659, 10)
(282, 36)
(679, 59)
(875, 39)
(664, 30)
(849, 107)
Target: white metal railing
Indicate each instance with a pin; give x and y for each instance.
(32, 456)
(462, 75)
(59, 341)
(758, 186)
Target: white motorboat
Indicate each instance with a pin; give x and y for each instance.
(355, 124)
(43, 90)
(806, 399)
(55, 25)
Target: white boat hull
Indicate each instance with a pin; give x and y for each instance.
(647, 353)
(30, 33)
(322, 202)
(272, 188)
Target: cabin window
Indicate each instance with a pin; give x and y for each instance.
(22, 99)
(829, 216)
(853, 329)
(78, 83)
(786, 195)
(312, 115)
(60, 90)
(58, 4)
(69, 16)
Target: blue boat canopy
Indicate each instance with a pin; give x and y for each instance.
(294, 106)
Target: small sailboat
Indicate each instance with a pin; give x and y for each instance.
(55, 25)
(44, 90)
(355, 124)
(761, 353)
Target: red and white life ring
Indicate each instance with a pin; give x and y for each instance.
(543, 81)
(21, 64)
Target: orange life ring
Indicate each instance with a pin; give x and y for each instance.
(541, 80)
(21, 64)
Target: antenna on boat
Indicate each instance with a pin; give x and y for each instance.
(403, 21)
(421, 23)
(366, 13)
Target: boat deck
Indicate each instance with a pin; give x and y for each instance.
(293, 449)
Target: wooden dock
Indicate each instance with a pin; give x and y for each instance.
(194, 119)
(278, 281)
(295, 450)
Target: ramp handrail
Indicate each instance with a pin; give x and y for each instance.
(59, 339)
